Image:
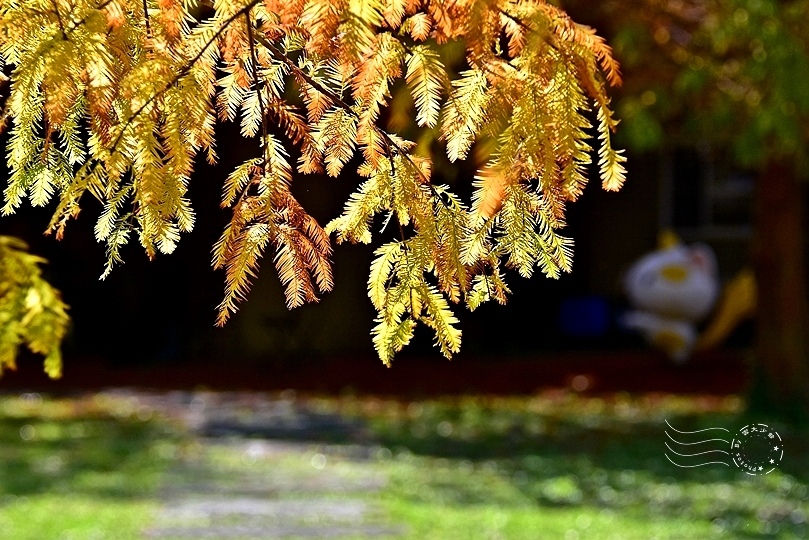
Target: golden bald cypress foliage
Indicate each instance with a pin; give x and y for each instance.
(31, 310)
(114, 99)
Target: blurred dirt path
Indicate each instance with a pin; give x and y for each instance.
(259, 468)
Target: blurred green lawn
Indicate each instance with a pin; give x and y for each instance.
(561, 466)
(84, 469)
(556, 466)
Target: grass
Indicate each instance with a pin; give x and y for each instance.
(83, 469)
(555, 466)
(563, 466)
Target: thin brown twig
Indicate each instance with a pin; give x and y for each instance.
(59, 18)
(146, 19)
(256, 83)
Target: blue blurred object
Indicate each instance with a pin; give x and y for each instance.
(586, 316)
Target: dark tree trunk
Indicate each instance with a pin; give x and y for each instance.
(782, 349)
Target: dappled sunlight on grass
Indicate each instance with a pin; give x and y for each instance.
(563, 465)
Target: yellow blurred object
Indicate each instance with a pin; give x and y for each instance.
(667, 238)
(669, 342)
(738, 302)
(674, 272)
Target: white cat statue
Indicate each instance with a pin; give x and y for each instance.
(671, 290)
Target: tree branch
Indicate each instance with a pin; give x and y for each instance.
(146, 19)
(254, 61)
(59, 18)
(183, 72)
(180, 74)
(280, 55)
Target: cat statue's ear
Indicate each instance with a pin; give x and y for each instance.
(702, 258)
